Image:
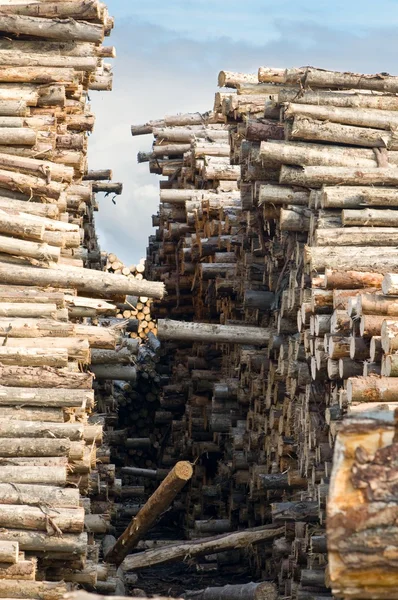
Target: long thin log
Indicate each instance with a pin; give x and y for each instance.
(153, 508)
(34, 447)
(64, 398)
(68, 520)
(97, 283)
(201, 547)
(203, 332)
(38, 494)
(44, 377)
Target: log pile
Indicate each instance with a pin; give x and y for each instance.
(58, 328)
(138, 308)
(276, 241)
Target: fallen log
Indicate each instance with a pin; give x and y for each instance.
(247, 591)
(201, 547)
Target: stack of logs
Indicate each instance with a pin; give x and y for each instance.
(134, 307)
(277, 243)
(56, 304)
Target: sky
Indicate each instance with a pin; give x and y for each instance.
(169, 54)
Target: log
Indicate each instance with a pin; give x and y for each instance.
(54, 29)
(28, 429)
(203, 332)
(34, 447)
(376, 304)
(356, 236)
(9, 552)
(44, 377)
(88, 11)
(38, 494)
(389, 337)
(38, 541)
(61, 397)
(97, 283)
(44, 590)
(34, 357)
(307, 154)
(313, 77)
(43, 251)
(363, 117)
(360, 258)
(78, 349)
(33, 474)
(201, 547)
(153, 508)
(112, 371)
(24, 569)
(248, 591)
(68, 520)
(344, 196)
(390, 285)
(258, 300)
(349, 99)
(372, 389)
(348, 280)
(319, 176)
(276, 194)
(371, 217)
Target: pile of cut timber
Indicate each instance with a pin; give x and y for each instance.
(134, 307)
(56, 303)
(277, 242)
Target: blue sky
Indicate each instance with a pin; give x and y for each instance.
(169, 53)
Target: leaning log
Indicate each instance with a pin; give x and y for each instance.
(151, 511)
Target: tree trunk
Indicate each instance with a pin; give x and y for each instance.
(348, 280)
(313, 77)
(343, 196)
(64, 398)
(371, 217)
(34, 447)
(372, 389)
(362, 117)
(38, 494)
(305, 154)
(9, 552)
(227, 334)
(44, 377)
(44, 590)
(277, 194)
(56, 29)
(201, 547)
(24, 570)
(97, 283)
(27, 429)
(68, 520)
(160, 501)
(66, 9)
(34, 357)
(346, 99)
(35, 250)
(357, 236)
(360, 258)
(113, 371)
(319, 176)
(32, 474)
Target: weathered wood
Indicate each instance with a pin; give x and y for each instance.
(38, 494)
(90, 281)
(44, 377)
(154, 507)
(34, 447)
(29, 517)
(61, 397)
(55, 29)
(200, 547)
(249, 591)
(9, 552)
(233, 334)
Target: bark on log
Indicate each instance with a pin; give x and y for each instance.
(372, 389)
(24, 570)
(44, 377)
(88, 11)
(34, 447)
(64, 398)
(313, 77)
(363, 117)
(360, 258)
(112, 371)
(38, 494)
(154, 507)
(34, 357)
(56, 29)
(9, 552)
(371, 217)
(356, 236)
(38, 541)
(247, 591)
(201, 547)
(33, 475)
(28, 429)
(347, 280)
(97, 283)
(44, 590)
(319, 176)
(227, 334)
(68, 520)
(344, 196)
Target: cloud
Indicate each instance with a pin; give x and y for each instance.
(160, 72)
